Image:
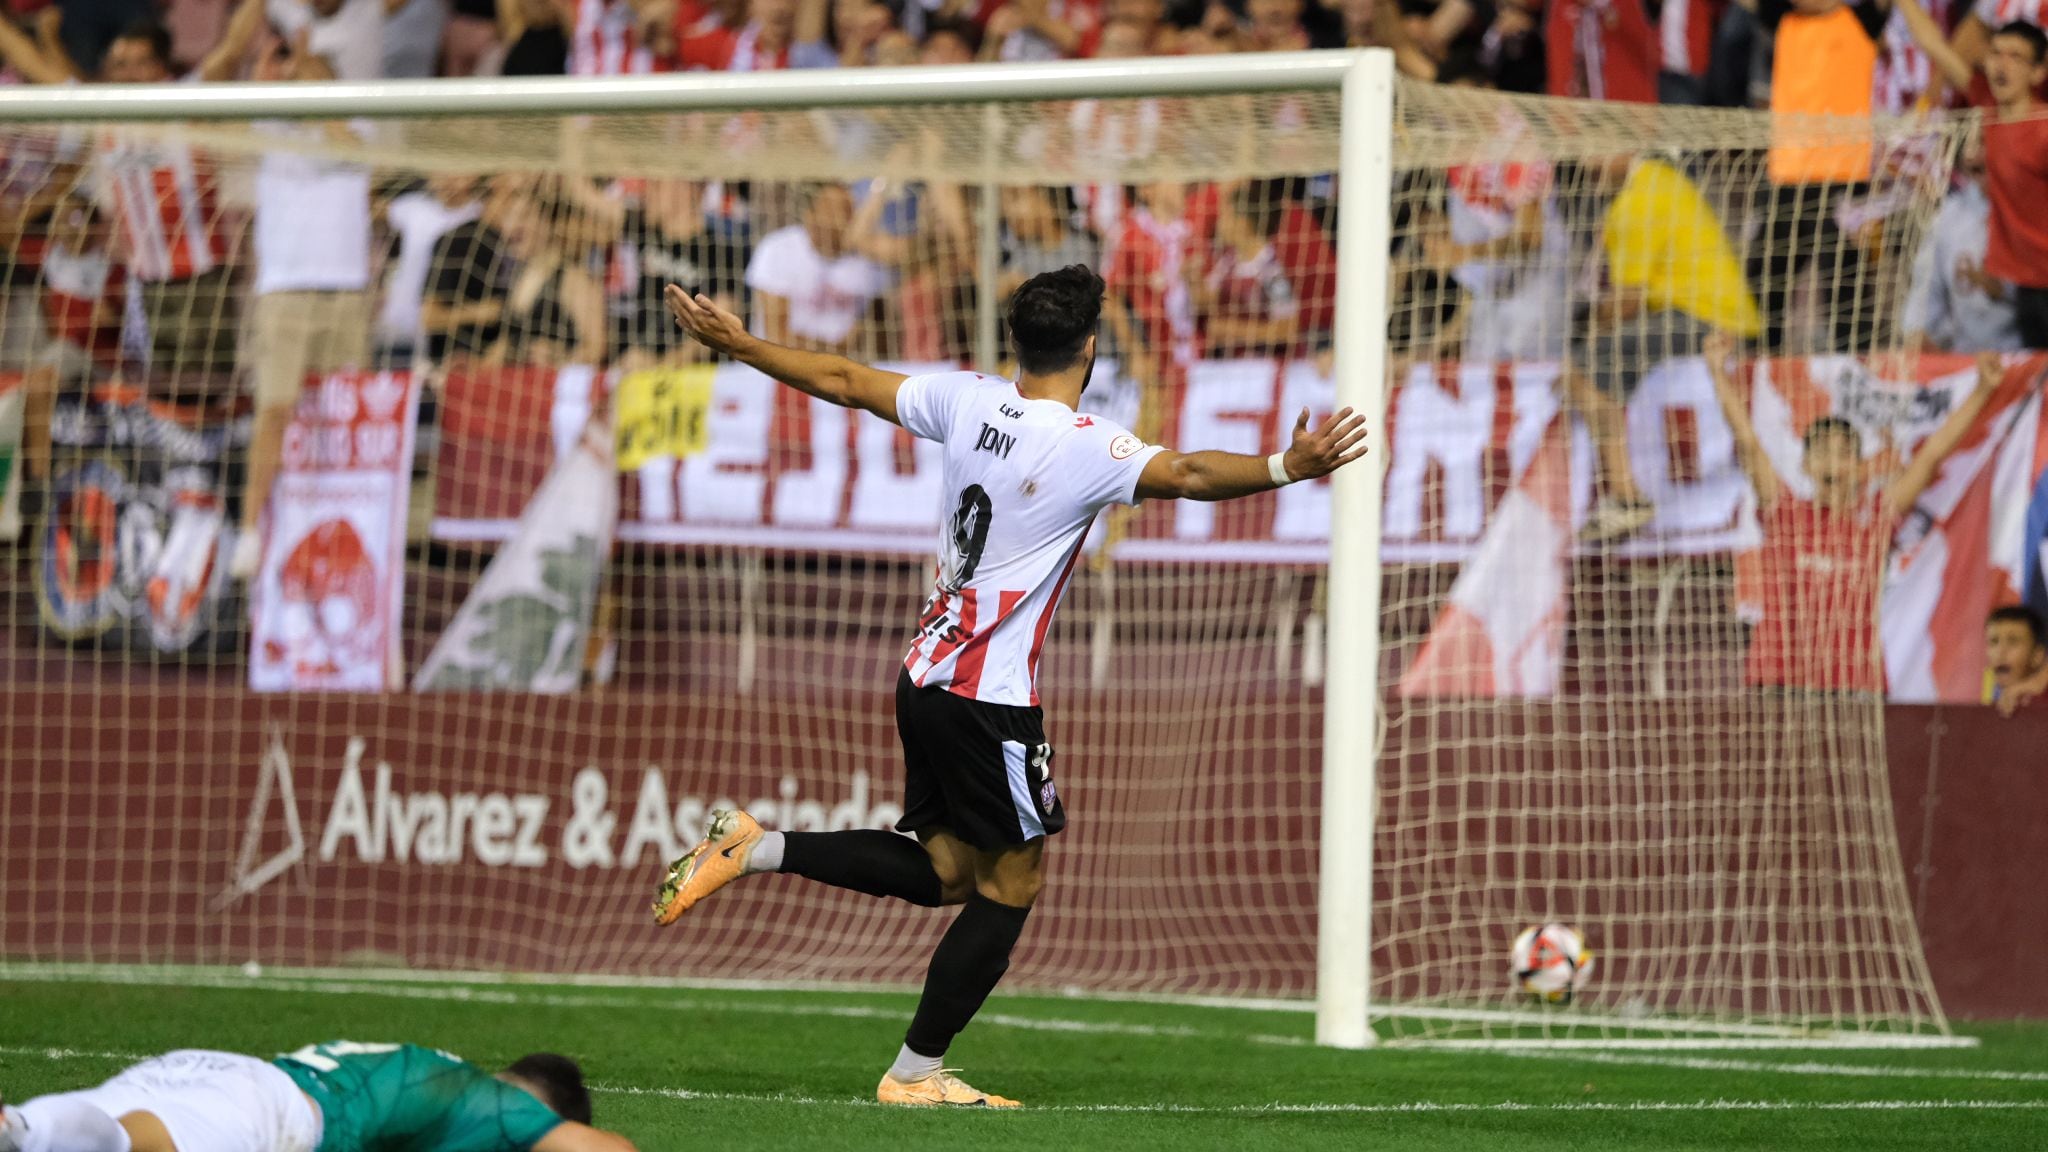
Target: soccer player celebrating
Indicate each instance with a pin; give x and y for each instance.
(1025, 475)
(338, 1097)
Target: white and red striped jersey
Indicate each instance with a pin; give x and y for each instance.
(1685, 35)
(1023, 481)
(165, 198)
(608, 41)
(1904, 73)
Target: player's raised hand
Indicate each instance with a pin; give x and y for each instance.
(706, 322)
(1337, 441)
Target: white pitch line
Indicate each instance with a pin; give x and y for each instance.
(479, 987)
(579, 1000)
(1803, 1068)
(1418, 1107)
(54, 1054)
(1561, 1045)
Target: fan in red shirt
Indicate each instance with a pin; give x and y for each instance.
(2016, 173)
(1247, 303)
(2015, 157)
(1602, 50)
(761, 45)
(1148, 304)
(1824, 557)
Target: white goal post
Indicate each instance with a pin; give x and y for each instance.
(1351, 735)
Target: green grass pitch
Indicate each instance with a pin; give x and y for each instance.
(686, 1069)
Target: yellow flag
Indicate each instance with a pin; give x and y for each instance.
(663, 412)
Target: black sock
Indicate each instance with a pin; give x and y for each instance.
(971, 957)
(865, 860)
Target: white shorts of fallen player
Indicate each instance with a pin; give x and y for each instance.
(213, 1102)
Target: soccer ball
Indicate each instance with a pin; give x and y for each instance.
(1551, 963)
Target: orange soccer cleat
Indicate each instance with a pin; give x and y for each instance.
(711, 865)
(940, 1089)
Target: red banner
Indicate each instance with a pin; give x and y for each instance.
(473, 832)
(784, 471)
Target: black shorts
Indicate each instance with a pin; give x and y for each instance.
(980, 771)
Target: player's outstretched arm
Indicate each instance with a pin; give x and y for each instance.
(831, 378)
(1338, 441)
(569, 1136)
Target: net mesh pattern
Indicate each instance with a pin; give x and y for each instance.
(1725, 846)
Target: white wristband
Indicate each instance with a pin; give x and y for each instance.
(1276, 467)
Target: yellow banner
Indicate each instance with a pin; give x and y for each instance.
(663, 412)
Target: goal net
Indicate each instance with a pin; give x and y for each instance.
(537, 584)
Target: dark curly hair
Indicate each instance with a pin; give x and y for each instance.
(1051, 317)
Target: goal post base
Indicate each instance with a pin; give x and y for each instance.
(1563, 1029)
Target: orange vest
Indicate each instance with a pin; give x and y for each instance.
(1824, 67)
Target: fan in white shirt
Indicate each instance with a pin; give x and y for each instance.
(349, 33)
(311, 312)
(809, 287)
(417, 221)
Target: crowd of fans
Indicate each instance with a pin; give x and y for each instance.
(1872, 55)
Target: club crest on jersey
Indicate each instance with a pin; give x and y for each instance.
(998, 443)
(1124, 447)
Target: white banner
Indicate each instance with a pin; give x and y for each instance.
(325, 604)
(526, 624)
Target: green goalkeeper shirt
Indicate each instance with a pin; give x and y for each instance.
(404, 1098)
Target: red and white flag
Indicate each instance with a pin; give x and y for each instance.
(1502, 633)
(1957, 554)
(1940, 586)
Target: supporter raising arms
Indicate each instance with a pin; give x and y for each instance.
(1247, 303)
(810, 286)
(1823, 556)
(2015, 158)
(139, 54)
